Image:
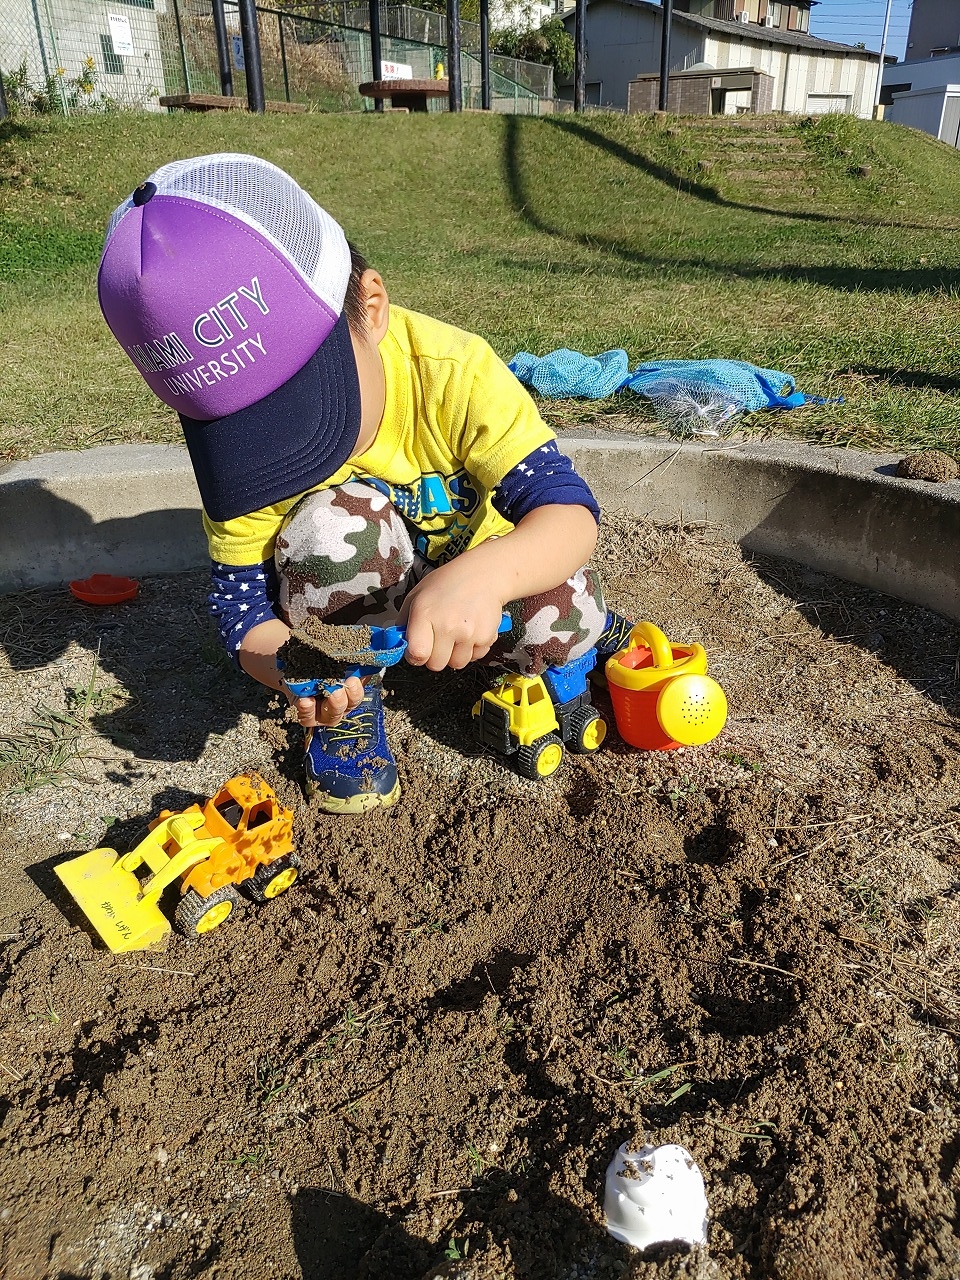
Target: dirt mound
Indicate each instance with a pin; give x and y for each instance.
(419, 1061)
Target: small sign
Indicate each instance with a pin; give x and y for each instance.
(395, 71)
(120, 34)
(236, 44)
(716, 82)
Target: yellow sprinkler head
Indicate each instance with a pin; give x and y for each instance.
(692, 710)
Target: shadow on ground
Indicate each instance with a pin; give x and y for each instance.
(851, 278)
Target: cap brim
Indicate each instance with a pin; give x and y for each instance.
(294, 438)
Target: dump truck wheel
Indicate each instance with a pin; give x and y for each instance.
(270, 881)
(196, 915)
(541, 758)
(587, 730)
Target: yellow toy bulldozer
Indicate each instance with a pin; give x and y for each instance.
(241, 836)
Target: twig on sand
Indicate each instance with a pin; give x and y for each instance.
(355, 1102)
(835, 822)
(930, 1002)
(740, 1133)
(155, 968)
(757, 964)
(14, 1075)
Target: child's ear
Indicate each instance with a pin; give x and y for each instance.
(376, 304)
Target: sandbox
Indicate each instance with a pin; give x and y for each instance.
(419, 1061)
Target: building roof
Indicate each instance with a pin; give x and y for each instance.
(745, 31)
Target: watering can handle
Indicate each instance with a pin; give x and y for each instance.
(658, 644)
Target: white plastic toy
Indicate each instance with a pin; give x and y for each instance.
(654, 1196)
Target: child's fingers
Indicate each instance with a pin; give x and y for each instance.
(420, 642)
(334, 707)
(329, 710)
(306, 709)
(461, 655)
(353, 688)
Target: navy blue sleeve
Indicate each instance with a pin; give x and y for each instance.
(545, 476)
(240, 598)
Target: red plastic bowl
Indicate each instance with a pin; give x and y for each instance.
(104, 588)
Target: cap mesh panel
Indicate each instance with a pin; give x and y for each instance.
(267, 199)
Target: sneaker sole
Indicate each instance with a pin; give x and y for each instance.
(361, 803)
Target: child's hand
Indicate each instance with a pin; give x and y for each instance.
(326, 712)
(452, 619)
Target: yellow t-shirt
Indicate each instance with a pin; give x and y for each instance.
(455, 421)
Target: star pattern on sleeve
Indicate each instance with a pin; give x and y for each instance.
(250, 601)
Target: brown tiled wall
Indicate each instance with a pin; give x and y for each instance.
(690, 95)
(761, 100)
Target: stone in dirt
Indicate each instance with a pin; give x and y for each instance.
(930, 464)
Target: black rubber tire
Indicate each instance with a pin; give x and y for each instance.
(580, 723)
(257, 887)
(192, 908)
(528, 757)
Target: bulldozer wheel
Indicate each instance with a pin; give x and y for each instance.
(275, 878)
(587, 730)
(196, 915)
(541, 758)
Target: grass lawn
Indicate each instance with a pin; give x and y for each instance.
(828, 250)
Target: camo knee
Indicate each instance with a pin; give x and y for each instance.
(555, 627)
(343, 553)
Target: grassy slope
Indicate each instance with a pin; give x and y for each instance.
(587, 232)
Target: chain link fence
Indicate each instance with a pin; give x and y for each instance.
(77, 55)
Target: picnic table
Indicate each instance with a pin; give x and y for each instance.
(412, 94)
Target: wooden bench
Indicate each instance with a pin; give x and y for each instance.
(412, 94)
(214, 102)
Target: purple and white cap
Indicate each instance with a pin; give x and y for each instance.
(224, 281)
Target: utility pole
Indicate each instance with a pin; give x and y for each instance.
(250, 35)
(376, 52)
(223, 49)
(453, 55)
(579, 55)
(883, 50)
(666, 22)
(485, 54)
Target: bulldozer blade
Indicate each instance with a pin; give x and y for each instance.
(111, 899)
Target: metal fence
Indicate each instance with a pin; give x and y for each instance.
(74, 55)
(425, 26)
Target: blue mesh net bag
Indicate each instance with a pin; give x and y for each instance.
(689, 397)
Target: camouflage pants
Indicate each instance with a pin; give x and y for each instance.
(345, 555)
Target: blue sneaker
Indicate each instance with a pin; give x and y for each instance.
(614, 638)
(350, 768)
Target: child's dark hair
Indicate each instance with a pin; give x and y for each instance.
(353, 301)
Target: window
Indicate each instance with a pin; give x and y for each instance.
(230, 811)
(112, 63)
(798, 17)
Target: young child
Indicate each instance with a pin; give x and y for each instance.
(357, 462)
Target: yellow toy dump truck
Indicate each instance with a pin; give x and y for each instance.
(241, 836)
(533, 717)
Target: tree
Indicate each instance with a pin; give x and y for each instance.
(550, 43)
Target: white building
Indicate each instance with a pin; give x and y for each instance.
(55, 39)
(926, 95)
(521, 14)
(800, 72)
